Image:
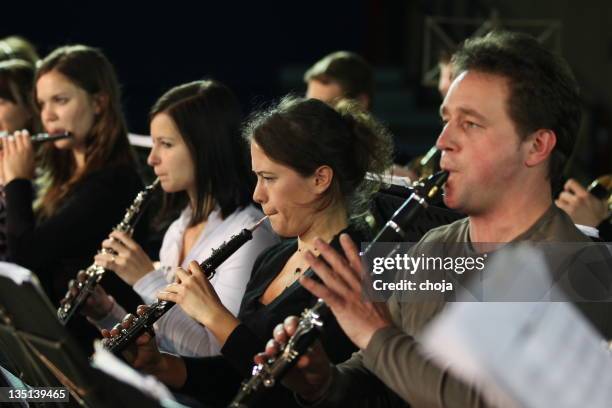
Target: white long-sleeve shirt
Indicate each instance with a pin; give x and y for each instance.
(176, 332)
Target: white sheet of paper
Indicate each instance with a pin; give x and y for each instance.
(524, 353)
(105, 361)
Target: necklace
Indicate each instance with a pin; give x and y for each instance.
(302, 269)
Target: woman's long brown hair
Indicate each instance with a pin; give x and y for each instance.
(106, 144)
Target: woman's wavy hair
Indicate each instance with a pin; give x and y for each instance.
(305, 134)
(107, 142)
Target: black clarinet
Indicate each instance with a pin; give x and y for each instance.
(311, 321)
(157, 309)
(71, 304)
(599, 189)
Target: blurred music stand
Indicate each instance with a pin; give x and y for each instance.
(44, 352)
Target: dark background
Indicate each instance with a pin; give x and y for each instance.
(260, 49)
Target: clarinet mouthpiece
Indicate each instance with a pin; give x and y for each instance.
(434, 183)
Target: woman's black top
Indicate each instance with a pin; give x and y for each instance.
(56, 248)
(215, 380)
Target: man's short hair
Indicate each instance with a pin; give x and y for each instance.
(543, 91)
(349, 70)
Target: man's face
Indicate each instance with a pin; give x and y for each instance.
(329, 91)
(480, 147)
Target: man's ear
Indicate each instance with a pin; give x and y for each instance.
(322, 178)
(540, 145)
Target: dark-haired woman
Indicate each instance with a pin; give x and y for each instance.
(201, 161)
(17, 111)
(310, 161)
(86, 182)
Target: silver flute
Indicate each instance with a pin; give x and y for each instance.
(40, 137)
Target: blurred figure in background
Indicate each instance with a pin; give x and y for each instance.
(16, 47)
(590, 212)
(341, 75)
(345, 75)
(446, 72)
(17, 111)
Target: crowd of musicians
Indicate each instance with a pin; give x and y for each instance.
(511, 112)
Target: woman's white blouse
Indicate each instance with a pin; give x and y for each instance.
(176, 332)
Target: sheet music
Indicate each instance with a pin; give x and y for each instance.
(524, 353)
(104, 360)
